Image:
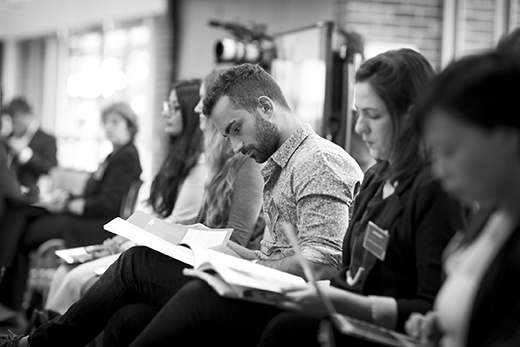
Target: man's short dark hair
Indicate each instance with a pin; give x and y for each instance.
(243, 84)
(18, 106)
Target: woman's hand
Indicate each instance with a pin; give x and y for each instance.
(424, 328)
(117, 244)
(58, 201)
(305, 299)
(76, 206)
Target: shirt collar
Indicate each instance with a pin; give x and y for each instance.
(284, 153)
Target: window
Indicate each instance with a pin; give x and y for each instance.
(103, 66)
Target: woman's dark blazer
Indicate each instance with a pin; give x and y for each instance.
(495, 318)
(421, 219)
(43, 159)
(105, 188)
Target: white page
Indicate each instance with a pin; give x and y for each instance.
(122, 227)
(205, 238)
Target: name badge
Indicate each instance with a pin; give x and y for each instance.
(376, 240)
(273, 213)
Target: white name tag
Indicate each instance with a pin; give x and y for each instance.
(376, 240)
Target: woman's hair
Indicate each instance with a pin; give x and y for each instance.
(125, 111)
(510, 43)
(224, 165)
(183, 151)
(480, 89)
(398, 77)
(213, 75)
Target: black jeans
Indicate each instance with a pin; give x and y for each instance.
(140, 275)
(293, 329)
(198, 316)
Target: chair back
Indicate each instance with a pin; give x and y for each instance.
(129, 200)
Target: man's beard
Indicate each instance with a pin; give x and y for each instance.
(266, 140)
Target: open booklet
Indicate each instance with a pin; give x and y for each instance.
(345, 324)
(228, 275)
(165, 237)
(239, 278)
(80, 255)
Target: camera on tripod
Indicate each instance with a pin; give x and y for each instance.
(250, 43)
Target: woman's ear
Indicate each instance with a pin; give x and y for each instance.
(408, 116)
(510, 137)
(266, 106)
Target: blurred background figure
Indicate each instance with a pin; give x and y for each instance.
(175, 195)
(12, 203)
(79, 219)
(33, 151)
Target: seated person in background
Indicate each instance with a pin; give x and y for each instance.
(175, 193)
(79, 220)
(308, 181)
(398, 194)
(468, 118)
(12, 202)
(33, 151)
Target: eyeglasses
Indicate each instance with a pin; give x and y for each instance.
(168, 106)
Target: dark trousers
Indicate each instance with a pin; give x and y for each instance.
(293, 329)
(127, 323)
(140, 275)
(198, 316)
(40, 227)
(11, 225)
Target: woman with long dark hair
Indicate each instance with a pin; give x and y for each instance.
(185, 152)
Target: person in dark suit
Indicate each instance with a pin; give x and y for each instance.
(33, 151)
(12, 204)
(79, 219)
(469, 118)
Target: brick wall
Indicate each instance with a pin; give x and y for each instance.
(419, 23)
(515, 14)
(477, 31)
(414, 22)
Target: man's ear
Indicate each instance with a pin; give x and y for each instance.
(266, 106)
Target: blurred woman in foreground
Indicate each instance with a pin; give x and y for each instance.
(469, 118)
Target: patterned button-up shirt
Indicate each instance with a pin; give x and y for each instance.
(311, 183)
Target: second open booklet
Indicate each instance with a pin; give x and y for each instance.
(228, 275)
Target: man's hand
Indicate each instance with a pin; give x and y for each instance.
(242, 251)
(224, 249)
(198, 226)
